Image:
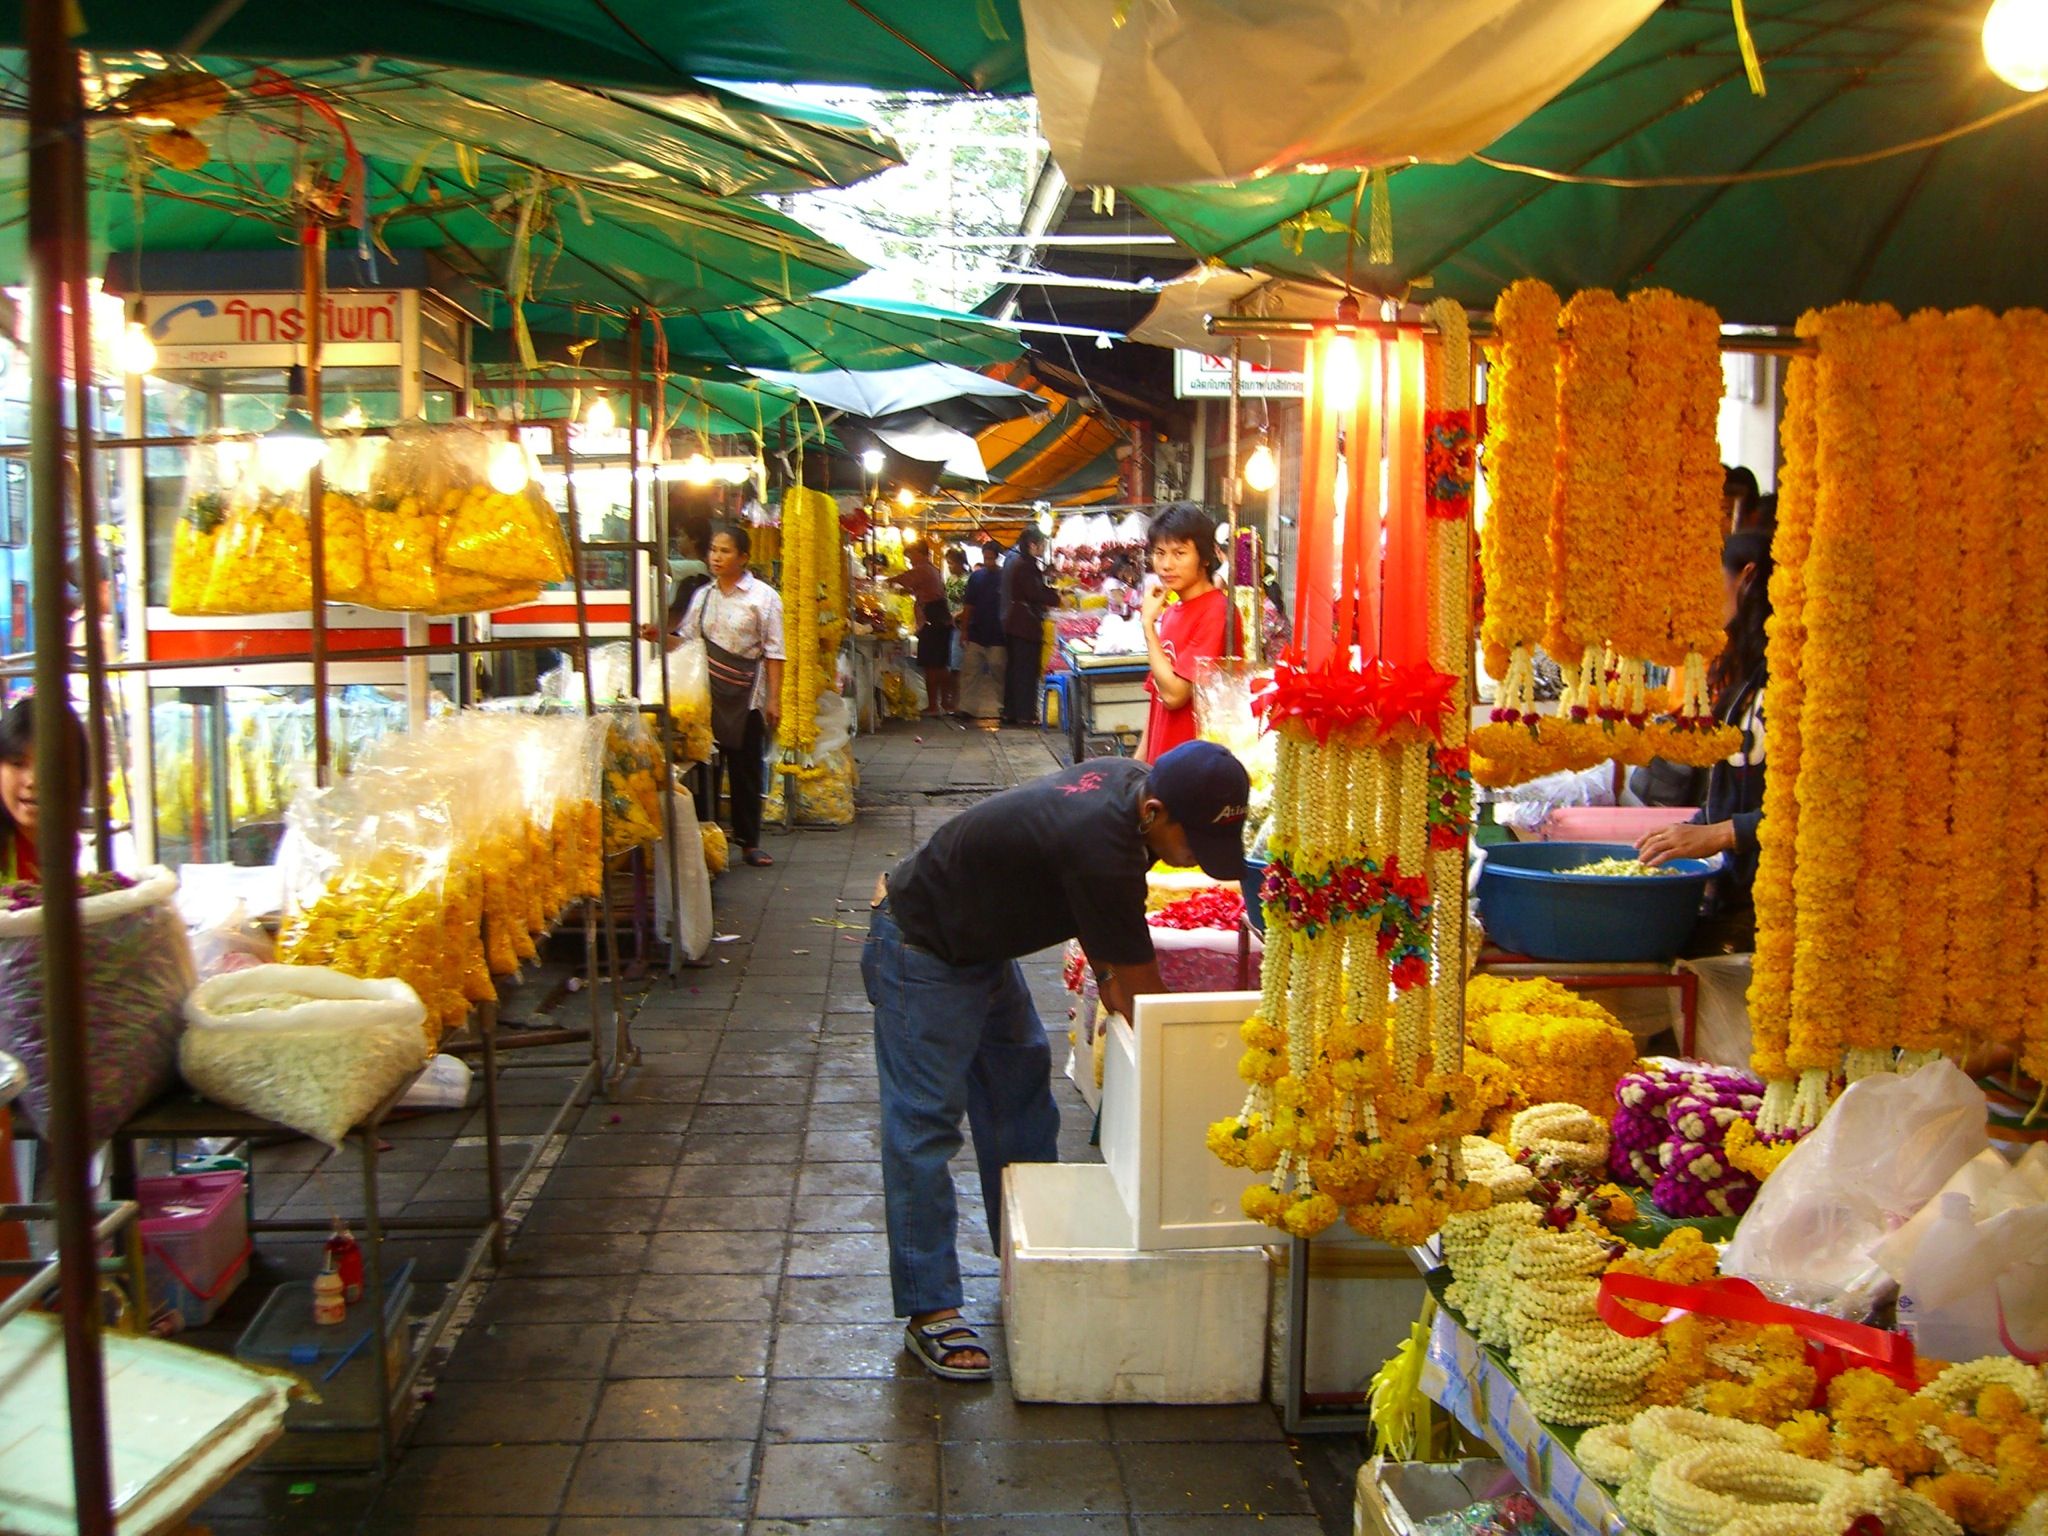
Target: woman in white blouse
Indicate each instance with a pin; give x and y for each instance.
(739, 618)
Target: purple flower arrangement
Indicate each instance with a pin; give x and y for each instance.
(1669, 1125)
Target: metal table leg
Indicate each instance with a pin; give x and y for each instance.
(487, 1032)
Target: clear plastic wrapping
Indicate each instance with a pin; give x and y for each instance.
(137, 970)
(307, 1046)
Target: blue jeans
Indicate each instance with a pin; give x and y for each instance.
(950, 1040)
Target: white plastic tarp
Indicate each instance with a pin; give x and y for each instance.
(933, 442)
(1147, 93)
(885, 391)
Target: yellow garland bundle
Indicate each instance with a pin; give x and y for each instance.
(1521, 453)
(1837, 663)
(1448, 386)
(1648, 589)
(1589, 507)
(1983, 493)
(1928, 735)
(2025, 968)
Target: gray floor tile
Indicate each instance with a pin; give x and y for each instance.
(1043, 1479)
(531, 1352)
(576, 1253)
(730, 1180)
(1228, 1525)
(712, 1213)
(874, 1525)
(840, 1253)
(991, 1413)
(1238, 1422)
(664, 1478)
(779, 1150)
(1194, 1479)
(713, 1253)
(899, 1408)
(1037, 1525)
(585, 1215)
(840, 1179)
(573, 1299)
(603, 1183)
(479, 1480)
(688, 1349)
(485, 1413)
(840, 1213)
(861, 1478)
(609, 1146)
(702, 1298)
(658, 1525)
(840, 1349)
(679, 1408)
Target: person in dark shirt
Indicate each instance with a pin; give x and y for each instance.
(1727, 823)
(981, 630)
(1026, 599)
(955, 1030)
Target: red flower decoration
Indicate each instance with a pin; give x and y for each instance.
(1411, 971)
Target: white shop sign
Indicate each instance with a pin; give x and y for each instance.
(256, 330)
(1200, 376)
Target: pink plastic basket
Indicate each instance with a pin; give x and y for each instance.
(195, 1240)
(1607, 823)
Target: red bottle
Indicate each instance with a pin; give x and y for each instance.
(347, 1259)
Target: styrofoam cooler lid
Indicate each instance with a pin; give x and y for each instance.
(13, 1078)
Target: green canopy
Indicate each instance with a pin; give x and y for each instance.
(936, 45)
(809, 335)
(698, 397)
(1951, 223)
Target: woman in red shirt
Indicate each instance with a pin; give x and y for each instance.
(18, 800)
(1180, 635)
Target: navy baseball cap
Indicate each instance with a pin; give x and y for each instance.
(1207, 791)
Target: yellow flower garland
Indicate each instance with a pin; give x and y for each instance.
(1448, 385)
(1589, 505)
(799, 730)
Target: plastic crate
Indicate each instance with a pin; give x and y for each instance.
(195, 1241)
(338, 1362)
(1532, 905)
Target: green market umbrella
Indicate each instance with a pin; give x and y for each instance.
(816, 333)
(701, 397)
(1955, 221)
(955, 45)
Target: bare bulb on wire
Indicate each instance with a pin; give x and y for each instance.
(2016, 43)
(698, 470)
(353, 418)
(137, 350)
(509, 470)
(601, 417)
(1261, 470)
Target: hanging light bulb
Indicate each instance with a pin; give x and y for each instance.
(1261, 470)
(137, 351)
(509, 470)
(353, 418)
(874, 461)
(1341, 377)
(698, 470)
(905, 496)
(601, 417)
(2016, 43)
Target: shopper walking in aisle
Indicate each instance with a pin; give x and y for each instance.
(739, 618)
(927, 588)
(1026, 600)
(1183, 633)
(955, 1030)
(981, 633)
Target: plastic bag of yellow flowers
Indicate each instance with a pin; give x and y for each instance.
(632, 783)
(716, 853)
(242, 544)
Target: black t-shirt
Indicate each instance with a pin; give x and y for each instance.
(1033, 867)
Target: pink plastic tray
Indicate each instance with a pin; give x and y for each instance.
(1607, 823)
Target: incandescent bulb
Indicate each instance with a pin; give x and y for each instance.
(1341, 375)
(906, 497)
(873, 461)
(697, 470)
(509, 472)
(137, 351)
(2016, 43)
(1261, 473)
(601, 417)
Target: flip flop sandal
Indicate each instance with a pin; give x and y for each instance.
(758, 858)
(932, 1342)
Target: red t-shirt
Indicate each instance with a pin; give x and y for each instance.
(1189, 632)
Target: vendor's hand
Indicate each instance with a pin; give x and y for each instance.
(1153, 605)
(1686, 840)
(651, 633)
(771, 713)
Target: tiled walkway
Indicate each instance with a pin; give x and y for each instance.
(693, 1333)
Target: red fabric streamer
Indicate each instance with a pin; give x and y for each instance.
(1835, 1346)
(1314, 581)
(1387, 698)
(1404, 636)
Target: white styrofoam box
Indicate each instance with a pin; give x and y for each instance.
(1089, 1319)
(1168, 1075)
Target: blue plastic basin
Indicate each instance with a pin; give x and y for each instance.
(1253, 877)
(1531, 906)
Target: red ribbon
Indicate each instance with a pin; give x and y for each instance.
(1835, 1346)
(355, 179)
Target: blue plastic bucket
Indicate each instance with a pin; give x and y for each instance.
(1532, 905)
(1253, 877)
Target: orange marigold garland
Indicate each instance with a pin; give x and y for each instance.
(1837, 661)
(1521, 454)
(2025, 967)
(1983, 493)
(1588, 525)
